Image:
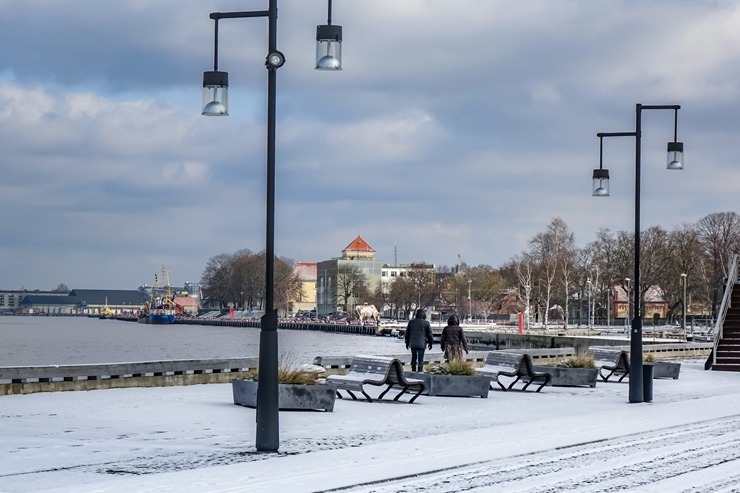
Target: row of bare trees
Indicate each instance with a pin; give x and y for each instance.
(238, 279)
(550, 272)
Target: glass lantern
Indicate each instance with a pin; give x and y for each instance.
(601, 183)
(328, 47)
(675, 155)
(215, 93)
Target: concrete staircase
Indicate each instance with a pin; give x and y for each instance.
(728, 349)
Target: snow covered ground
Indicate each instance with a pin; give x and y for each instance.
(193, 439)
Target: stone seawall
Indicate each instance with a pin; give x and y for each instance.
(52, 378)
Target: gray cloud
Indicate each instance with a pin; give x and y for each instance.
(456, 128)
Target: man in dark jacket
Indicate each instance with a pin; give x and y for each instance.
(418, 338)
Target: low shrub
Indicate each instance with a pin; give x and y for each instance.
(453, 367)
(289, 373)
(296, 376)
(577, 362)
(649, 358)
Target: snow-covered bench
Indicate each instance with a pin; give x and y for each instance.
(614, 361)
(378, 371)
(514, 365)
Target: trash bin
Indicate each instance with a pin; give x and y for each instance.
(647, 382)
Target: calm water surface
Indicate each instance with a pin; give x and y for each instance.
(28, 341)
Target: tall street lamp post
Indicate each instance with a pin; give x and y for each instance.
(470, 299)
(215, 103)
(601, 189)
(588, 311)
(629, 312)
(683, 318)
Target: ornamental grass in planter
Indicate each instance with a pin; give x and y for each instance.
(455, 378)
(288, 376)
(298, 389)
(580, 361)
(662, 369)
(453, 367)
(575, 371)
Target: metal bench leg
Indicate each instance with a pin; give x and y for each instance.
(421, 389)
(511, 385)
(382, 394)
(622, 377)
(369, 399)
(547, 380)
(403, 391)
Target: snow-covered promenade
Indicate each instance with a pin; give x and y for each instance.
(193, 439)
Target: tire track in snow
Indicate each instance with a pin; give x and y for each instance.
(596, 467)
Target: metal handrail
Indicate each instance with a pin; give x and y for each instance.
(726, 302)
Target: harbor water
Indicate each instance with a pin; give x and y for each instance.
(30, 341)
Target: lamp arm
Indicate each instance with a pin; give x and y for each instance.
(675, 125)
(215, 45)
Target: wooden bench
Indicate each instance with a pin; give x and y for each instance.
(614, 361)
(378, 371)
(517, 366)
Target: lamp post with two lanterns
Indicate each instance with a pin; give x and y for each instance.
(215, 103)
(601, 189)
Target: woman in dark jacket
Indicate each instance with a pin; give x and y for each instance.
(453, 340)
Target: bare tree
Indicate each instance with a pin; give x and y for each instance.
(215, 278)
(549, 250)
(684, 257)
(487, 287)
(287, 283)
(422, 277)
(403, 295)
(61, 288)
(523, 267)
(719, 234)
(247, 279)
(351, 285)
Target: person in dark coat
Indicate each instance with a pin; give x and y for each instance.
(418, 337)
(453, 341)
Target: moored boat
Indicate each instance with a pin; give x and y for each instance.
(161, 309)
(105, 313)
(162, 315)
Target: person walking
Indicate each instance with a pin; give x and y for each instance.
(418, 337)
(453, 341)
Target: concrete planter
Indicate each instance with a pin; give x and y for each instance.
(665, 369)
(453, 385)
(570, 377)
(290, 397)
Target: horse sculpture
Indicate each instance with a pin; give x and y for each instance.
(365, 312)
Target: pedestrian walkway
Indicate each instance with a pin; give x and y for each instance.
(192, 439)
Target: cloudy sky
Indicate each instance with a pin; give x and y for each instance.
(457, 128)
